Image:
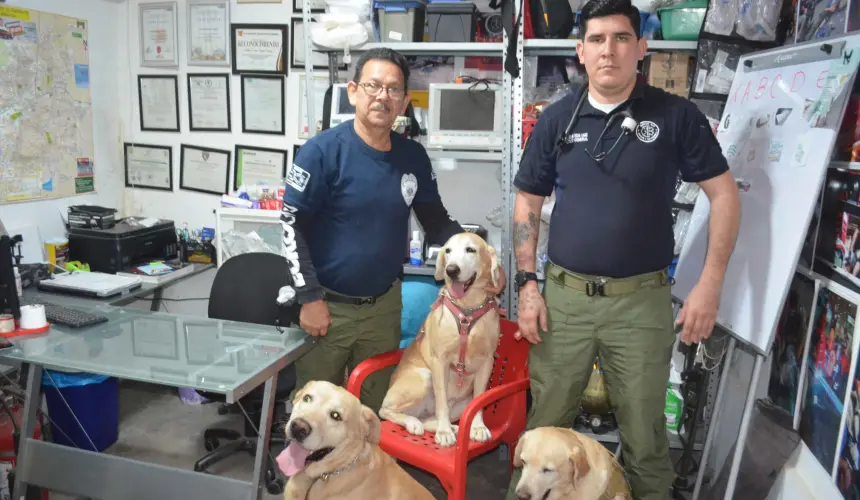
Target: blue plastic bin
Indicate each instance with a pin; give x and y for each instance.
(96, 405)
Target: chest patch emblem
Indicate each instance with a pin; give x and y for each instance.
(647, 131)
(408, 188)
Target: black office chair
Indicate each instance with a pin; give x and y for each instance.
(245, 289)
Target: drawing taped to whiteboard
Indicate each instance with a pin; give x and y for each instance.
(777, 133)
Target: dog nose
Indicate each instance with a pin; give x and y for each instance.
(453, 270)
(300, 429)
(523, 496)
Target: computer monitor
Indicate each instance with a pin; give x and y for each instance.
(9, 303)
(341, 109)
(465, 116)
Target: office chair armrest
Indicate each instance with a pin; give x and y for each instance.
(369, 366)
(479, 403)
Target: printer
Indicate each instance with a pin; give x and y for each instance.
(126, 244)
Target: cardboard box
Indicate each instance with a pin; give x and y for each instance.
(670, 72)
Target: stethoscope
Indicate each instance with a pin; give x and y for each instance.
(628, 125)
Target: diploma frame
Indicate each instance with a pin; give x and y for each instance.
(240, 147)
(315, 9)
(294, 40)
(140, 79)
(234, 52)
(128, 183)
(183, 148)
(245, 128)
(142, 8)
(191, 127)
(191, 61)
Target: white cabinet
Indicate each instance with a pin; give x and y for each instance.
(237, 227)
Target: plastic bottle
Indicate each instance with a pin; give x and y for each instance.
(18, 281)
(415, 249)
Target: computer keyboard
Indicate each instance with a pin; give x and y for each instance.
(72, 318)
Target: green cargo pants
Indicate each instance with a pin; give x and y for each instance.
(633, 335)
(356, 333)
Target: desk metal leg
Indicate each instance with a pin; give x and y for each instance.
(261, 460)
(28, 423)
(156, 299)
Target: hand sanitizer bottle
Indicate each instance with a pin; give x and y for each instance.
(415, 249)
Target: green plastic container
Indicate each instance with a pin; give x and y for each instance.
(683, 21)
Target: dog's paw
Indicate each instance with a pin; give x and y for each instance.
(479, 432)
(414, 426)
(446, 436)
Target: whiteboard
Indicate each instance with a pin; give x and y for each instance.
(777, 132)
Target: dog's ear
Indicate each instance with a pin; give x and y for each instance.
(518, 461)
(494, 265)
(440, 265)
(371, 425)
(579, 461)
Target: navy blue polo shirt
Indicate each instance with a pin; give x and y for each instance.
(358, 200)
(614, 218)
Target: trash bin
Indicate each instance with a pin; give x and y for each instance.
(94, 399)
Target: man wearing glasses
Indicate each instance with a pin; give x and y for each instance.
(347, 202)
(607, 293)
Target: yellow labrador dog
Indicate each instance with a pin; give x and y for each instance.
(334, 452)
(559, 464)
(451, 360)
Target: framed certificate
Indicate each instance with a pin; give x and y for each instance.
(205, 170)
(297, 49)
(158, 34)
(208, 37)
(263, 104)
(317, 6)
(158, 99)
(209, 102)
(259, 166)
(259, 48)
(148, 166)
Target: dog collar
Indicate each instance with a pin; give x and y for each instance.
(325, 476)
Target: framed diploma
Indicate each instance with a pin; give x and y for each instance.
(297, 49)
(208, 37)
(158, 34)
(148, 166)
(263, 104)
(259, 1)
(317, 6)
(259, 48)
(256, 166)
(209, 102)
(158, 99)
(205, 170)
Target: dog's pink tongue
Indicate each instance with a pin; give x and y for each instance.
(291, 461)
(458, 289)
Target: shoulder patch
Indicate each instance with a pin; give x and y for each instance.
(298, 178)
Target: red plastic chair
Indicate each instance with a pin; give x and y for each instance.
(504, 405)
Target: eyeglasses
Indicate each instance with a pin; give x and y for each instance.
(374, 89)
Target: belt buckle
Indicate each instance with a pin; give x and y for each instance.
(367, 301)
(593, 288)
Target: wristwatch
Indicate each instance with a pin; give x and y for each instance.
(523, 277)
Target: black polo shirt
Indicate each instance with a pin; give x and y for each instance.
(614, 218)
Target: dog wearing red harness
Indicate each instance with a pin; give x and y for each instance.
(451, 360)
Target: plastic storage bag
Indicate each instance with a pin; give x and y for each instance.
(61, 380)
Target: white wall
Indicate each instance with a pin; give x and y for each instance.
(106, 60)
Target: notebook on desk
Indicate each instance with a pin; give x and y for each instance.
(92, 284)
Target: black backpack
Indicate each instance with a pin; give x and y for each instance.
(551, 18)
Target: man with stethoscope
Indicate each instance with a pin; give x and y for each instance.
(612, 153)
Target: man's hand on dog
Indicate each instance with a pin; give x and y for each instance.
(314, 318)
(531, 312)
(500, 286)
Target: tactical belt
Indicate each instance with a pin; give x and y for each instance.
(353, 301)
(606, 287)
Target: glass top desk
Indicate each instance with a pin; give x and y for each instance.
(223, 357)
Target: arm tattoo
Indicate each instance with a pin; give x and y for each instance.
(525, 230)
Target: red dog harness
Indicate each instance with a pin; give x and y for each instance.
(465, 323)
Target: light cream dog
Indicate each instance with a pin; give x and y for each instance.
(334, 452)
(560, 464)
(451, 361)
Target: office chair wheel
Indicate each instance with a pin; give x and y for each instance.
(211, 444)
(275, 487)
(223, 409)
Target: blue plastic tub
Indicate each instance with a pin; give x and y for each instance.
(97, 407)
